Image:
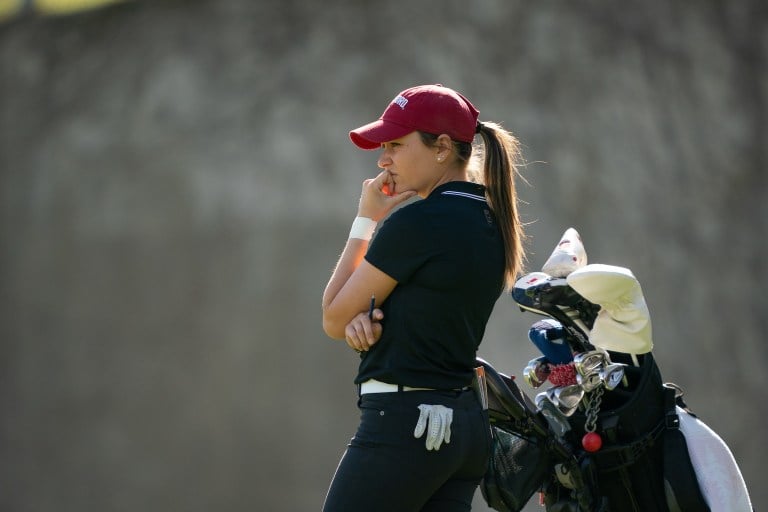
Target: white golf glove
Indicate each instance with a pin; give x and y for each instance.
(439, 419)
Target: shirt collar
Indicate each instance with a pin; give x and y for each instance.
(459, 188)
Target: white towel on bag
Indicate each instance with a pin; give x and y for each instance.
(719, 476)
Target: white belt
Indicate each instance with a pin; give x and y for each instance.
(376, 386)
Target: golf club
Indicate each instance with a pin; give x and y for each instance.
(590, 381)
(557, 421)
(588, 362)
(537, 371)
(612, 375)
(567, 398)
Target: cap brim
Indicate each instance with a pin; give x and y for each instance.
(373, 135)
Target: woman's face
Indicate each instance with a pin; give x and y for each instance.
(411, 164)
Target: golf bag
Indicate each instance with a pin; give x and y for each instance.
(641, 463)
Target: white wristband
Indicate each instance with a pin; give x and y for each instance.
(362, 228)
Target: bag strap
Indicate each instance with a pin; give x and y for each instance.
(682, 487)
(613, 458)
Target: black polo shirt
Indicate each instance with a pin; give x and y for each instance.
(447, 255)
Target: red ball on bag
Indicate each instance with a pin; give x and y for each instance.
(591, 442)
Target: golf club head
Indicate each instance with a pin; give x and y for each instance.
(558, 422)
(567, 398)
(612, 375)
(539, 292)
(536, 372)
(589, 362)
(590, 381)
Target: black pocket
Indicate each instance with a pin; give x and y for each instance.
(516, 469)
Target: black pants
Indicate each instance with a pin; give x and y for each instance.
(386, 469)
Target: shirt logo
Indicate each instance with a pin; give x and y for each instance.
(400, 101)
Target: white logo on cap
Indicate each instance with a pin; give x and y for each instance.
(401, 102)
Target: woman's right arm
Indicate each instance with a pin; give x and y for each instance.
(354, 280)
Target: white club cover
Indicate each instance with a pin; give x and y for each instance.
(624, 322)
(567, 256)
(718, 474)
(436, 421)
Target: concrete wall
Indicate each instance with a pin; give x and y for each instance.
(176, 184)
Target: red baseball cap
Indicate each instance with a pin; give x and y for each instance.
(426, 108)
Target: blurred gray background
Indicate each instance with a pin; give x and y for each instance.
(176, 184)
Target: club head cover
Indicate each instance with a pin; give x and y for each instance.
(624, 322)
(549, 337)
(568, 256)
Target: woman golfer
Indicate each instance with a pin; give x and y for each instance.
(415, 302)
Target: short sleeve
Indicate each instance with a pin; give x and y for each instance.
(401, 245)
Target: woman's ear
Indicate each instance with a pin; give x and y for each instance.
(444, 146)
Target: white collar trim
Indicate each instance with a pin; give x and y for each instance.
(464, 194)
